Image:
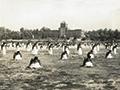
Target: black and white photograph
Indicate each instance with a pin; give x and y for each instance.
(59, 44)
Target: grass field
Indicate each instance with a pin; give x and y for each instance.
(58, 74)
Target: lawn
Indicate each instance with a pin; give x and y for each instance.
(60, 74)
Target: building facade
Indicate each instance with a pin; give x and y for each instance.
(63, 29)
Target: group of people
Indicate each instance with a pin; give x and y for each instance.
(49, 46)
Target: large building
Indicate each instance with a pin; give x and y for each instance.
(63, 29)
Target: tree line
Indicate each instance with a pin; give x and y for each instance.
(42, 33)
(101, 34)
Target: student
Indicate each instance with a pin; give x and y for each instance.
(79, 49)
(35, 63)
(109, 54)
(87, 62)
(17, 55)
(64, 55)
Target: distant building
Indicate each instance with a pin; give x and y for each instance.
(74, 33)
(62, 32)
(63, 29)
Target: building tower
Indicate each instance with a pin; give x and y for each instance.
(63, 29)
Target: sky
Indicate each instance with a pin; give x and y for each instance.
(78, 14)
